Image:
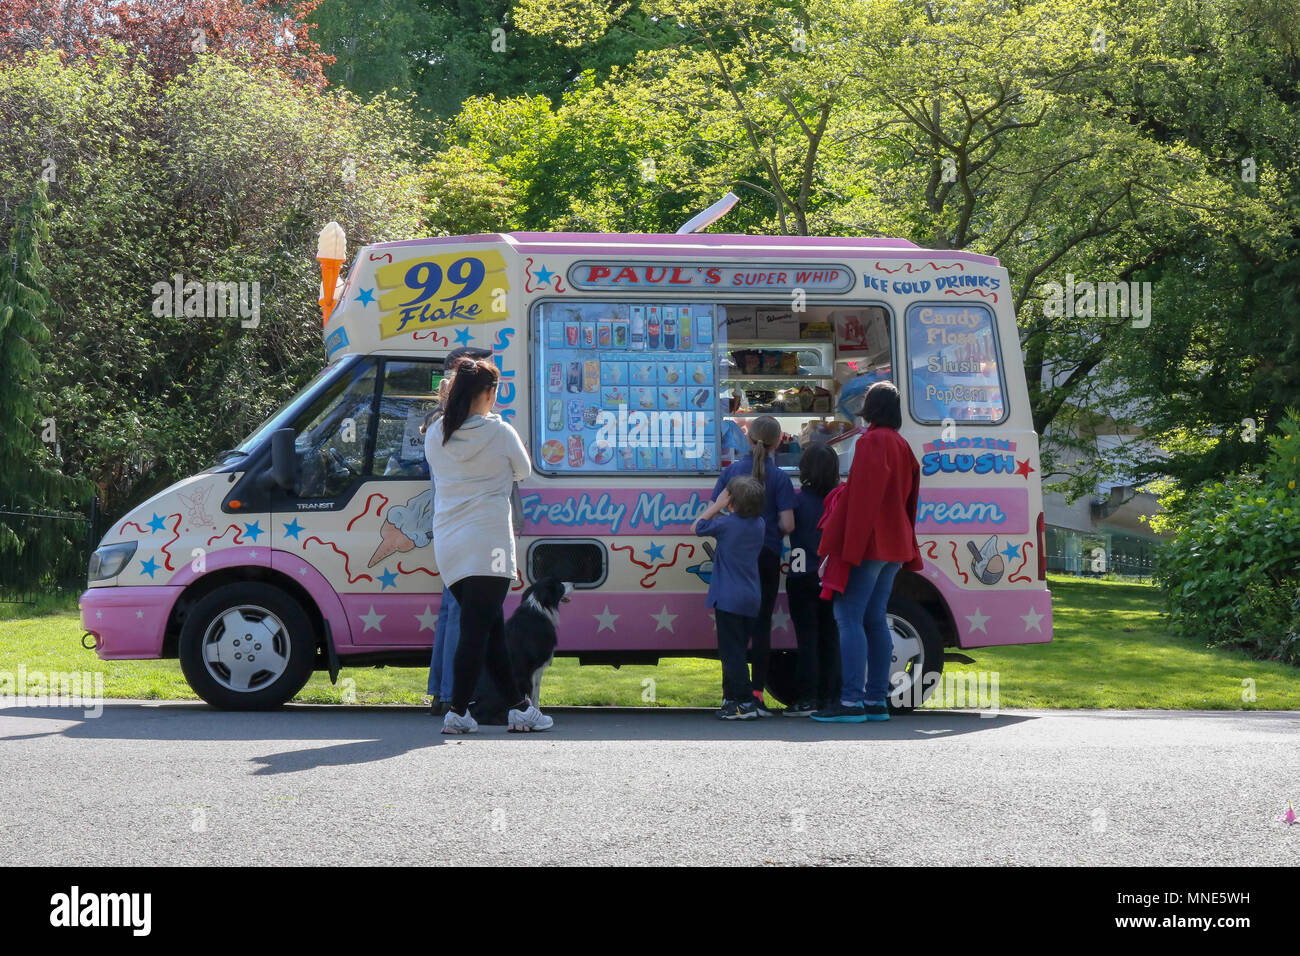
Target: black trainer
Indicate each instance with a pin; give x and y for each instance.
(736, 710)
(802, 709)
(837, 713)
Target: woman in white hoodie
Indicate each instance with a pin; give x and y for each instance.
(477, 458)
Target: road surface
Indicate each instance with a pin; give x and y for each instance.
(180, 783)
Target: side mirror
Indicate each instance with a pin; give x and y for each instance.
(284, 459)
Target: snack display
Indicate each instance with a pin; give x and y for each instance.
(615, 361)
(553, 452)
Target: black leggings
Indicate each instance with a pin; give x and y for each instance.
(817, 668)
(482, 637)
(760, 627)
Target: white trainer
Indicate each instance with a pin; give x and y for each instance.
(454, 723)
(527, 721)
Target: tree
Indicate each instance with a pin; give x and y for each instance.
(29, 475)
(224, 173)
(1020, 130)
(447, 52)
(165, 36)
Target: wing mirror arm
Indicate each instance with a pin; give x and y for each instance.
(283, 472)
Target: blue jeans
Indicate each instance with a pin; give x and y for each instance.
(866, 645)
(446, 636)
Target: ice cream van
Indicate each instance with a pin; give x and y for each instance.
(631, 366)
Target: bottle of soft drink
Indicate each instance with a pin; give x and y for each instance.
(652, 327)
(670, 329)
(636, 338)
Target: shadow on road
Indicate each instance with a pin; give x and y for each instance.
(367, 734)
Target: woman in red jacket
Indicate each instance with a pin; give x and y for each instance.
(868, 533)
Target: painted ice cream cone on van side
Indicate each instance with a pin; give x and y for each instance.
(394, 541)
(407, 527)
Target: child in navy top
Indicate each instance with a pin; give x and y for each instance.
(734, 592)
(778, 517)
(817, 668)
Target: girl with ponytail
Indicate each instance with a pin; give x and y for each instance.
(778, 521)
(477, 457)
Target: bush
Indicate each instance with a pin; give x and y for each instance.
(1230, 574)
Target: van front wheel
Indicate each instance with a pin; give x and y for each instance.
(247, 646)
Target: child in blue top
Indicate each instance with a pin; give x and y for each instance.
(778, 517)
(734, 591)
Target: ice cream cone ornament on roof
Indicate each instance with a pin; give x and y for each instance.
(330, 250)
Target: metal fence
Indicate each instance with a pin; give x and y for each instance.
(45, 553)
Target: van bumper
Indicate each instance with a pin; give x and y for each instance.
(128, 623)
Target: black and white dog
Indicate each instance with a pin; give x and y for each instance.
(531, 636)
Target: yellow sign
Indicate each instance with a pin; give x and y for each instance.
(448, 289)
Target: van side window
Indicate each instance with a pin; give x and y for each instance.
(333, 436)
(410, 393)
(954, 364)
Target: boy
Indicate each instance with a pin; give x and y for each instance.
(734, 592)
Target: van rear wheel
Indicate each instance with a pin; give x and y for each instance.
(247, 646)
(917, 664)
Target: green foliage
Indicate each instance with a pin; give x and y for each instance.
(1230, 574)
(224, 173)
(31, 551)
(1060, 136)
(446, 53)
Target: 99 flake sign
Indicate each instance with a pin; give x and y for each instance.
(430, 291)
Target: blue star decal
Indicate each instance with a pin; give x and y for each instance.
(655, 552)
(253, 530)
(463, 337)
(1012, 551)
(544, 276)
(388, 580)
(157, 524)
(148, 567)
(293, 529)
(365, 296)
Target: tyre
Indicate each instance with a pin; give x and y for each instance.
(780, 677)
(247, 646)
(917, 664)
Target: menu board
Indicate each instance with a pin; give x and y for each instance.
(625, 387)
(954, 363)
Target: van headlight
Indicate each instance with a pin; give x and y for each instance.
(109, 561)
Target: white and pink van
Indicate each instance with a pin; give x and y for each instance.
(630, 364)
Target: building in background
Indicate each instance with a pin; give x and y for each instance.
(1103, 532)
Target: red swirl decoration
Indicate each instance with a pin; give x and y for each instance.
(176, 536)
(367, 509)
(933, 265)
(654, 568)
(1016, 575)
(965, 578)
(402, 570)
(229, 528)
(987, 295)
(381, 257)
(346, 569)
